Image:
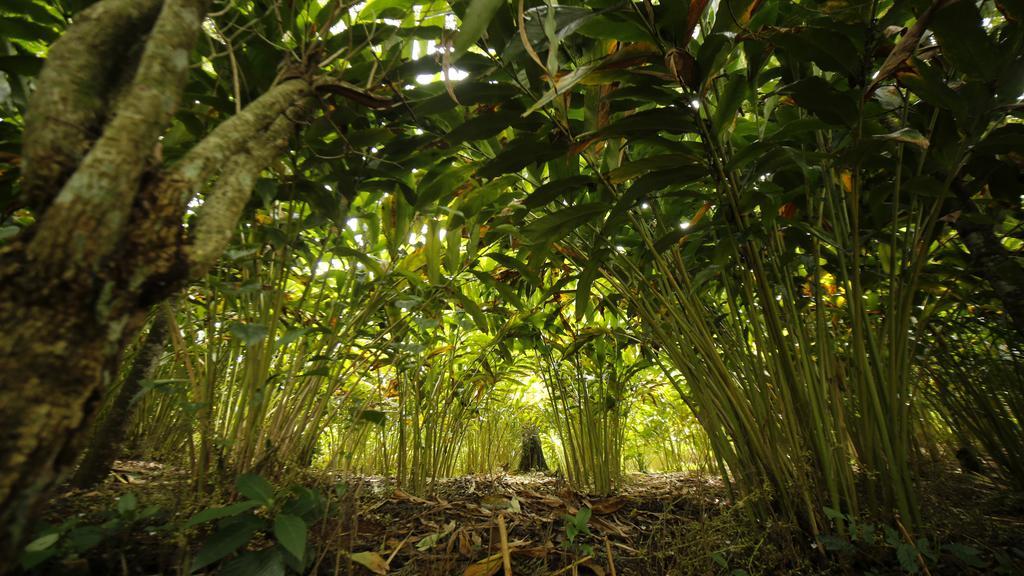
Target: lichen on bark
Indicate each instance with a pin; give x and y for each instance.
(110, 243)
(67, 111)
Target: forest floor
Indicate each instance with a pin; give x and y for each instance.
(658, 524)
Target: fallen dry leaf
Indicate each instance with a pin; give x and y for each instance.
(372, 561)
(428, 541)
(608, 505)
(496, 502)
(486, 567)
(401, 495)
(464, 547)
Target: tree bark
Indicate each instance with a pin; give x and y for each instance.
(532, 457)
(105, 444)
(67, 111)
(110, 242)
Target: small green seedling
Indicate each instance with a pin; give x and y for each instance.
(576, 525)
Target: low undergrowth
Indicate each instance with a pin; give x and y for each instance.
(142, 521)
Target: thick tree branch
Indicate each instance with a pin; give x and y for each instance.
(67, 111)
(152, 256)
(218, 217)
(88, 216)
(235, 133)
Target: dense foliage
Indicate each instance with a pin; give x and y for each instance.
(775, 240)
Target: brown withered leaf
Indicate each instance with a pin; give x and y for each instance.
(607, 505)
(372, 561)
(906, 47)
(683, 66)
(486, 567)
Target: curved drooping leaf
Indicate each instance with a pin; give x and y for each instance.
(555, 226)
(474, 23)
(556, 189)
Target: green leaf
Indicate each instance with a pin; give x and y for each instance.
(33, 10)
(817, 96)
(474, 24)
(371, 264)
(729, 103)
(614, 27)
(229, 538)
(375, 9)
(585, 282)
(268, 562)
(482, 127)
(829, 49)
(648, 123)
(17, 28)
(453, 249)
(958, 27)
(290, 532)
(562, 85)
(85, 538)
(556, 189)
(555, 226)
(833, 514)
(30, 560)
(249, 334)
(518, 155)
(906, 553)
(441, 182)
(221, 512)
(927, 83)
(636, 168)
(42, 543)
(291, 335)
(254, 487)
(967, 554)
(567, 19)
(583, 517)
(21, 64)
(469, 93)
(307, 504)
(127, 503)
(433, 252)
(7, 232)
(473, 309)
(507, 293)
(513, 263)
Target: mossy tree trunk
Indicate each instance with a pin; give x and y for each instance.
(105, 444)
(109, 242)
(532, 456)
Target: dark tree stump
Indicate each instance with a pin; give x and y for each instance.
(532, 457)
